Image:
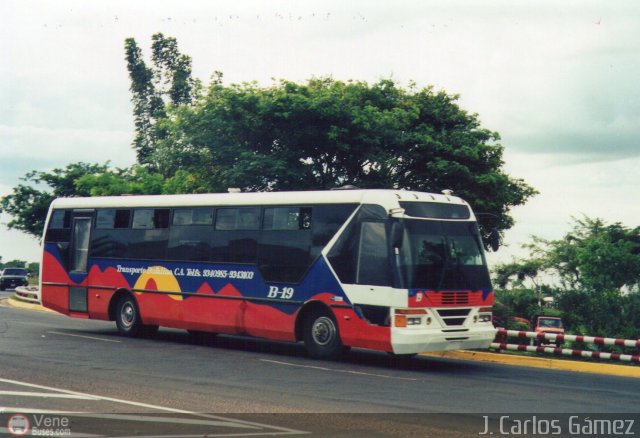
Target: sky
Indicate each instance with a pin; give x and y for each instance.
(557, 80)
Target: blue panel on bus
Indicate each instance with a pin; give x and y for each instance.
(184, 279)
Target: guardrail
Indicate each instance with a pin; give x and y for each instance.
(28, 293)
(566, 351)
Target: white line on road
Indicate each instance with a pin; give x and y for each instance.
(82, 336)
(47, 395)
(276, 430)
(337, 370)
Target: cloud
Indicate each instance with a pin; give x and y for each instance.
(26, 148)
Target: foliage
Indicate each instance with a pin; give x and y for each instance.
(521, 303)
(605, 314)
(13, 264)
(135, 180)
(592, 257)
(167, 81)
(517, 272)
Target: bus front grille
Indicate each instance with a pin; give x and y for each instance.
(453, 317)
(457, 298)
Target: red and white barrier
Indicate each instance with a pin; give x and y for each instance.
(567, 351)
(573, 338)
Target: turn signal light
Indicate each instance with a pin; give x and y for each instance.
(400, 321)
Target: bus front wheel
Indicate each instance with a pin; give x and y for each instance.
(321, 336)
(128, 318)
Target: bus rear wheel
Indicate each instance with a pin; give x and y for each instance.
(128, 319)
(321, 336)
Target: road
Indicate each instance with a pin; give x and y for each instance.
(79, 365)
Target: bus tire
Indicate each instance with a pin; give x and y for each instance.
(321, 335)
(128, 319)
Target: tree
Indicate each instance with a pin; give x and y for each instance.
(167, 81)
(172, 70)
(14, 264)
(326, 133)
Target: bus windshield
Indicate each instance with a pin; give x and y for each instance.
(441, 255)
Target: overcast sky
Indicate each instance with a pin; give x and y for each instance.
(557, 79)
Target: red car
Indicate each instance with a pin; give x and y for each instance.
(550, 325)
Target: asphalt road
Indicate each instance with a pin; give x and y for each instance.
(251, 387)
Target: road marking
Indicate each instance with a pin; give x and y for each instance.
(275, 430)
(98, 397)
(337, 370)
(82, 336)
(47, 395)
(16, 410)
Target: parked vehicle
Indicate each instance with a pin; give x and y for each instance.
(10, 278)
(548, 324)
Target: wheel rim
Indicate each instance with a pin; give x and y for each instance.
(127, 314)
(323, 331)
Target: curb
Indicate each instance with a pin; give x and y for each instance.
(14, 302)
(541, 362)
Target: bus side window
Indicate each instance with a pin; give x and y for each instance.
(284, 253)
(59, 229)
(373, 255)
(59, 233)
(235, 238)
(349, 257)
(149, 234)
(111, 233)
(190, 235)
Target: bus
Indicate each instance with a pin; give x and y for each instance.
(396, 271)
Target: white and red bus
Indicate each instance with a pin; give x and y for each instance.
(396, 271)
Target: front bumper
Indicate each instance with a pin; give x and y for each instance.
(411, 340)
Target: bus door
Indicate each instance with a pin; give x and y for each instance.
(79, 257)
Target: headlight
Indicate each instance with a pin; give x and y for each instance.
(485, 314)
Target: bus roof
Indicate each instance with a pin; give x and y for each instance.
(386, 198)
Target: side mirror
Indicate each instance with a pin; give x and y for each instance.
(397, 234)
(494, 240)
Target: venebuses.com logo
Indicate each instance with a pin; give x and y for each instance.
(39, 425)
(18, 425)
